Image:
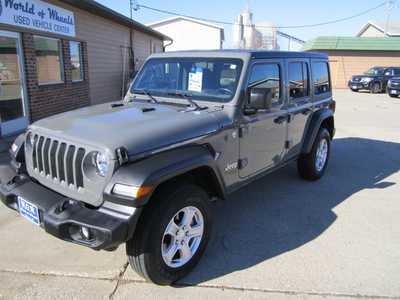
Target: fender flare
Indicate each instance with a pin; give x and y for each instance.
(313, 128)
(159, 168)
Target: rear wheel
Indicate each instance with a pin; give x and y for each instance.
(172, 234)
(376, 88)
(312, 166)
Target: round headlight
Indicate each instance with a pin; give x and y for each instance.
(101, 163)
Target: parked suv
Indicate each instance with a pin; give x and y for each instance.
(393, 88)
(194, 127)
(374, 80)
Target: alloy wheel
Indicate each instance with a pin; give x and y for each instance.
(182, 237)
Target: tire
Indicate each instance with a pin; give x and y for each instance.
(307, 163)
(144, 250)
(393, 96)
(355, 90)
(376, 88)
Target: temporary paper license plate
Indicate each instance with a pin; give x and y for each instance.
(29, 211)
(354, 86)
(394, 92)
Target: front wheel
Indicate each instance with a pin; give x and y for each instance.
(376, 88)
(172, 234)
(312, 166)
(393, 96)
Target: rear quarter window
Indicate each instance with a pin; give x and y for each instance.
(321, 78)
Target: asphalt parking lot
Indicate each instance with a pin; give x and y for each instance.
(279, 238)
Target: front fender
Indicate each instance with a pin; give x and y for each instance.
(159, 168)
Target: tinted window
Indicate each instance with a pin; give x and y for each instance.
(48, 59)
(267, 76)
(75, 49)
(396, 72)
(375, 71)
(388, 72)
(298, 80)
(321, 78)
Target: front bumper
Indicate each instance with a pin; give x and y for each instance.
(394, 90)
(110, 225)
(358, 85)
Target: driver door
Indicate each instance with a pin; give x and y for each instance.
(263, 134)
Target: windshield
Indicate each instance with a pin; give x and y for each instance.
(375, 71)
(204, 79)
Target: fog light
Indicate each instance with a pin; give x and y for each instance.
(86, 233)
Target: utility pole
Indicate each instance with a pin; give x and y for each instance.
(390, 4)
(134, 6)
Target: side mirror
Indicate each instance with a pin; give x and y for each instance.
(259, 98)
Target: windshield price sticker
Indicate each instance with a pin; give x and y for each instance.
(196, 81)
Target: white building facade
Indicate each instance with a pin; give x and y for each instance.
(190, 34)
(380, 29)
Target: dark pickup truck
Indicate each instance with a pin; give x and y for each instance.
(193, 128)
(374, 80)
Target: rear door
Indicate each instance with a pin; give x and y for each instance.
(300, 106)
(263, 134)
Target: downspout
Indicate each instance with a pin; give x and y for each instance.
(171, 41)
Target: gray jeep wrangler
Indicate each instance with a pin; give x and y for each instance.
(193, 128)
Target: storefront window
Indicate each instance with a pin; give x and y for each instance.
(48, 60)
(76, 60)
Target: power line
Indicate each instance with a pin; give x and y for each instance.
(276, 27)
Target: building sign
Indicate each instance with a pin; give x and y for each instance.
(39, 15)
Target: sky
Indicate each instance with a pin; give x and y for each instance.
(281, 13)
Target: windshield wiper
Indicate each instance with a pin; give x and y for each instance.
(188, 97)
(147, 93)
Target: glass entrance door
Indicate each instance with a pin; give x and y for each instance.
(13, 107)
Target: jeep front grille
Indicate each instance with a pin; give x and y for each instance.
(59, 161)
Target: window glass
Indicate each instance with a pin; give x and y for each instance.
(321, 78)
(375, 71)
(205, 79)
(396, 72)
(48, 59)
(388, 72)
(267, 76)
(298, 80)
(75, 49)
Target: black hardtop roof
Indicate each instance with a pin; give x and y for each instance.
(257, 54)
(287, 54)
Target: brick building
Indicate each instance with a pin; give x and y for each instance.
(350, 56)
(59, 55)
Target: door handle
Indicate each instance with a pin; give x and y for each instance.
(281, 119)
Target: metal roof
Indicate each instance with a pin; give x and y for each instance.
(177, 18)
(180, 18)
(392, 27)
(354, 44)
(93, 7)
